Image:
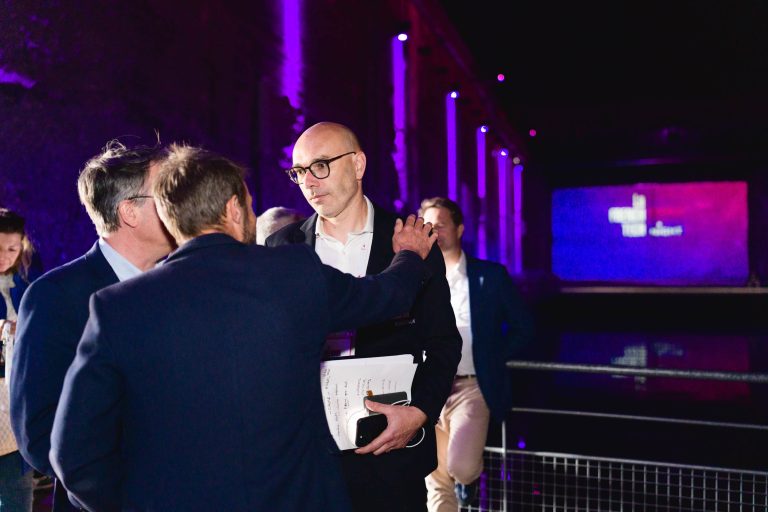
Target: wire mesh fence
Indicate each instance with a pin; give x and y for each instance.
(555, 482)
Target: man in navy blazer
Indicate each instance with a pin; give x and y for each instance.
(115, 188)
(495, 326)
(350, 233)
(196, 386)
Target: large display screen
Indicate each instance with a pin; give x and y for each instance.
(669, 234)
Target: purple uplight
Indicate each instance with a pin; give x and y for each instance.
(517, 190)
(532, 132)
(482, 243)
(400, 152)
(292, 56)
(402, 37)
(291, 85)
(481, 163)
(500, 77)
(452, 145)
(501, 166)
(521, 443)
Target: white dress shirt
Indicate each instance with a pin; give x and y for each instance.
(459, 284)
(351, 258)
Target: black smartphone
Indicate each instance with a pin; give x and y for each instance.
(389, 398)
(368, 428)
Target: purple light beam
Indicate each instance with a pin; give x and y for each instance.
(451, 143)
(502, 158)
(482, 242)
(400, 153)
(517, 189)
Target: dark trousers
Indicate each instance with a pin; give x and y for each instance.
(373, 487)
(61, 501)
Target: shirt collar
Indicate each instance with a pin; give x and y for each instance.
(368, 228)
(123, 268)
(460, 269)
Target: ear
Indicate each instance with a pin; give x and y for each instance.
(360, 162)
(460, 230)
(233, 211)
(126, 211)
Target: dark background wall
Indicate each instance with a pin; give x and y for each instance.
(607, 99)
(133, 70)
(75, 75)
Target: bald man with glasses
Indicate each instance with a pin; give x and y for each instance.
(352, 234)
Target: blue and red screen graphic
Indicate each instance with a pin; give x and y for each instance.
(669, 234)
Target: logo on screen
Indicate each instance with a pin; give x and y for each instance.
(634, 220)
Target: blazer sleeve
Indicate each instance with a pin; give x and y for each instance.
(45, 345)
(355, 302)
(440, 341)
(85, 441)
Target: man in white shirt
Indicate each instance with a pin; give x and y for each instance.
(351, 233)
(115, 188)
(494, 326)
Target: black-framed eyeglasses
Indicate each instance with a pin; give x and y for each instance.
(320, 169)
(137, 197)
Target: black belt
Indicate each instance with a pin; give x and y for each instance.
(470, 376)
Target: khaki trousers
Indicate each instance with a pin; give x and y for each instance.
(461, 433)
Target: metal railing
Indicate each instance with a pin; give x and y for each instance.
(518, 480)
(633, 371)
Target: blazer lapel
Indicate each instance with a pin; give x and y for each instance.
(306, 232)
(381, 247)
(102, 271)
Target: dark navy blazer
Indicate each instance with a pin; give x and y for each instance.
(196, 385)
(52, 315)
(429, 327)
(501, 329)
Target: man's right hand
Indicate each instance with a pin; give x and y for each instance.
(415, 235)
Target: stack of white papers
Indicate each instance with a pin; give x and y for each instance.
(345, 382)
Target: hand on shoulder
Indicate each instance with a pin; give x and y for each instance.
(413, 235)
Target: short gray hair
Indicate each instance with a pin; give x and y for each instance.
(114, 175)
(273, 219)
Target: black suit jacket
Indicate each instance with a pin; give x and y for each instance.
(430, 328)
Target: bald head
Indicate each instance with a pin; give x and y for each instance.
(338, 191)
(330, 131)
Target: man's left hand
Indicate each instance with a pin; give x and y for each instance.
(402, 424)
